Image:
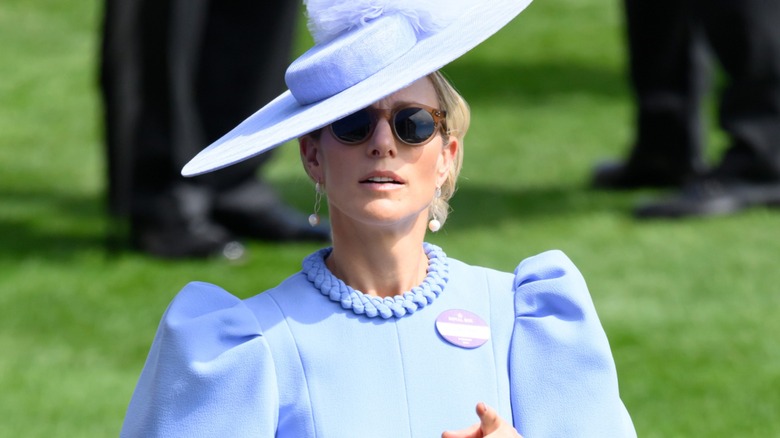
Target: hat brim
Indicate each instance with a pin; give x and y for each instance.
(284, 119)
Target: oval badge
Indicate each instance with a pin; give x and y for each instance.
(462, 328)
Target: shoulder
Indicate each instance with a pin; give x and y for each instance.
(551, 280)
(210, 310)
(546, 282)
(204, 320)
(198, 298)
(459, 268)
(549, 265)
(292, 294)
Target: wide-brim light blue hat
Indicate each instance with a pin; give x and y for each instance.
(364, 50)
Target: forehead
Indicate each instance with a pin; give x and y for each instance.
(420, 91)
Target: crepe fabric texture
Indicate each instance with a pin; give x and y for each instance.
(306, 360)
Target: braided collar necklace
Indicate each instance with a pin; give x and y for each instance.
(371, 306)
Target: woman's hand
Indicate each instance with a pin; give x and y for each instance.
(490, 425)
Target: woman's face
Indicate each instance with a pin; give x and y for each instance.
(381, 181)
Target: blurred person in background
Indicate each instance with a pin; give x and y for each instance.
(667, 42)
(176, 75)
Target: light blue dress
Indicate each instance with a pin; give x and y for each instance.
(315, 358)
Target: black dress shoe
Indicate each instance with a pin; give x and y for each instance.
(276, 223)
(175, 224)
(713, 197)
(616, 175)
(193, 240)
(255, 211)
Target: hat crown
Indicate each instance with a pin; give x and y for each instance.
(355, 39)
(328, 69)
(329, 19)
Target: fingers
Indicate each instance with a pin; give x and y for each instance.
(473, 431)
(488, 418)
(492, 425)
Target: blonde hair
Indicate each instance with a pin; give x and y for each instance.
(457, 124)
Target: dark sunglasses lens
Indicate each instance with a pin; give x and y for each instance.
(414, 125)
(354, 128)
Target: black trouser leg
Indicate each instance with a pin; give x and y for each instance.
(667, 76)
(120, 84)
(246, 49)
(745, 37)
(176, 75)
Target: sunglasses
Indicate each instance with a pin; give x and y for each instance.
(413, 124)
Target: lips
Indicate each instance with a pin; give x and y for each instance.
(382, 178)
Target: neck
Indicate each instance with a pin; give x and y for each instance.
(379, 263)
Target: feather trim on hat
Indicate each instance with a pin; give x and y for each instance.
(330, 18)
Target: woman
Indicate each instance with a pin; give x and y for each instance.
(382, 334)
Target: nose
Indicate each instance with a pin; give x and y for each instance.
(382, 141)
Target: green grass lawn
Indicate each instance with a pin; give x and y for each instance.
(690, 307)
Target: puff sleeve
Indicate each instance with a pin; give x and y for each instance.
(562, 375)
(209, 372)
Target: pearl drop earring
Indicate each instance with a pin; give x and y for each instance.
(434, 225)
(314, 218)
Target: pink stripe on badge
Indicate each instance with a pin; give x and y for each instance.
(462, 328)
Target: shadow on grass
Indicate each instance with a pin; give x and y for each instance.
(503, 81)
(58, 226)
(53, 225)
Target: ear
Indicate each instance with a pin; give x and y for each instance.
(310, 157)
(448, 153)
